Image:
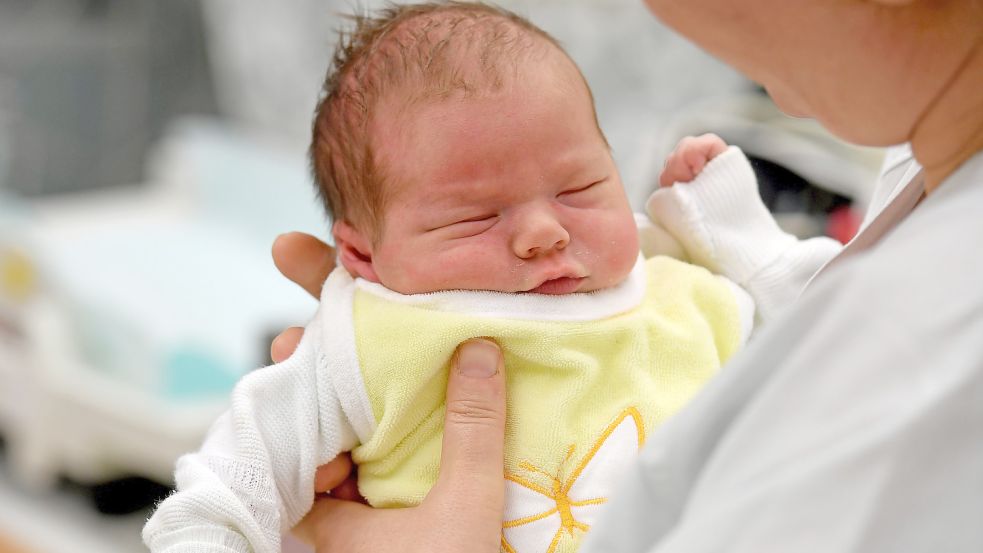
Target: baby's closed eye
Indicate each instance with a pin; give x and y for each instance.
(580, 194)
(579, 189)
(471, 226)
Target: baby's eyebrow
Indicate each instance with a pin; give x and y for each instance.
(449, 198)
(463, 191)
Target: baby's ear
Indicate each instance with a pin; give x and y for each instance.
(354, 250)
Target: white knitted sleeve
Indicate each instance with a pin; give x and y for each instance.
(254, 476)
(722, 224)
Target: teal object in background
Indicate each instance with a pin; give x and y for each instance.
(193, 373)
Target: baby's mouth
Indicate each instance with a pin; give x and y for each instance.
(558, 286)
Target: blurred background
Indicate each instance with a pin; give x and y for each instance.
(150, 152)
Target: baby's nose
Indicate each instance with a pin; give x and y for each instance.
(538, 234)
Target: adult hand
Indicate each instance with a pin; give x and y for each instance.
(307, 261)
(304, 259)
(463, 512)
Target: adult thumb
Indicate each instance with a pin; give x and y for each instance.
(472, 455)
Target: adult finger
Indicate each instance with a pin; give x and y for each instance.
(285, 343)
(332, 474)
(338, 525)
(339, 478)
(472, 455)
(304, 259)
(463, 512)
(348, 489)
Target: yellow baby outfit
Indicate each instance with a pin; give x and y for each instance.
(582, 394)
(589, 376)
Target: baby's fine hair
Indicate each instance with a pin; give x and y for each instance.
(423, 52)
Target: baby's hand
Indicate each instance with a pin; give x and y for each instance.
(690, 157)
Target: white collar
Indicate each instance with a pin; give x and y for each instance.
(905, 199)
(583, 306)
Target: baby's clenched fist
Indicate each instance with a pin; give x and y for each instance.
(690, 157)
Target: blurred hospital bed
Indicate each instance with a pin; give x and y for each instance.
(126, 314)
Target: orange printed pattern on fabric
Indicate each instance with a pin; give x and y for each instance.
(570, 502)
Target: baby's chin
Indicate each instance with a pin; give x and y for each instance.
(553, 287)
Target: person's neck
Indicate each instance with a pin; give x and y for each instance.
(951, 130)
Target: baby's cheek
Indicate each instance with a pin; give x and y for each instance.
(411, 271)
(480, 268)
(469, 266)
(608, 247)
(622, 249)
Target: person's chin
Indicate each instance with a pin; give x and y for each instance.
(788, 105)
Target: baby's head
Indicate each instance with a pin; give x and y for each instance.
(456, 147)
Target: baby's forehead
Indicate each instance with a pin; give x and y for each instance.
(451, 50)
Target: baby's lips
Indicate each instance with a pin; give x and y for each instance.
(557, 286)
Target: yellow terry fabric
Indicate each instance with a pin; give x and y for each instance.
(567, 381)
